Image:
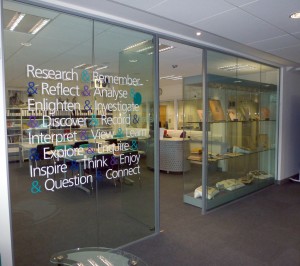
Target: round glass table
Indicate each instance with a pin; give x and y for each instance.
(96, 256)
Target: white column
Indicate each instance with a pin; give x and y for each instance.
(5, 221)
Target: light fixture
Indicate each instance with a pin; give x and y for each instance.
(144, 49)
(163, 48)
(38, 26)
(81, 65)
(135, 45)
(295, 15)
(133, 60)
(26, 44)
(89, 67)
(15, 21)
(166, 48)
(103, 67)
(172, 77)
(236, 67)
(198, 33)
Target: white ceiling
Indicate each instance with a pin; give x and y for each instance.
(260, 24)
(73, 48)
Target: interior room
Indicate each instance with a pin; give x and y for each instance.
(80, 130)
(127, 144)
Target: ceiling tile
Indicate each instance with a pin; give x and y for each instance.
(140, 4)
(241, 2)
(276, 13)
(296, 34)
(188, 11)
(239, 26)
(291, 53)
(276, 43)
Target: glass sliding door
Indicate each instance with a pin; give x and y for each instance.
(53, 207)
(79, 104)
(182, 99)
(124, 63)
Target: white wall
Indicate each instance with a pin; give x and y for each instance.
(171, 92)
(289, 127)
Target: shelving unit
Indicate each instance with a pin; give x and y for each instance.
(237, 153)
(14, 132)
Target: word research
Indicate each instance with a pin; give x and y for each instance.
(42, 73)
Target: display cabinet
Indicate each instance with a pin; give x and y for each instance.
(235, 153)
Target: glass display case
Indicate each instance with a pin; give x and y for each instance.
(235, 153)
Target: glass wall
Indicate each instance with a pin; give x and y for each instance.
(80, 129)
(242, 117)
(79, 98)
(241, 127)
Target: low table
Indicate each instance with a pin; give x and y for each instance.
(99, 256)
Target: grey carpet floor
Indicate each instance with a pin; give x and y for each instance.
(260, 229)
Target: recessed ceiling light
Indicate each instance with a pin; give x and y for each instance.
(144, 49)
(172, 77)
(81, 65)
(38, 26)
(103, 67)
(27, 44)
(198, 33)
(163, 49)
(135, 45)
(15, 21)
(89, 67)
(295, 15)
(236, 67)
